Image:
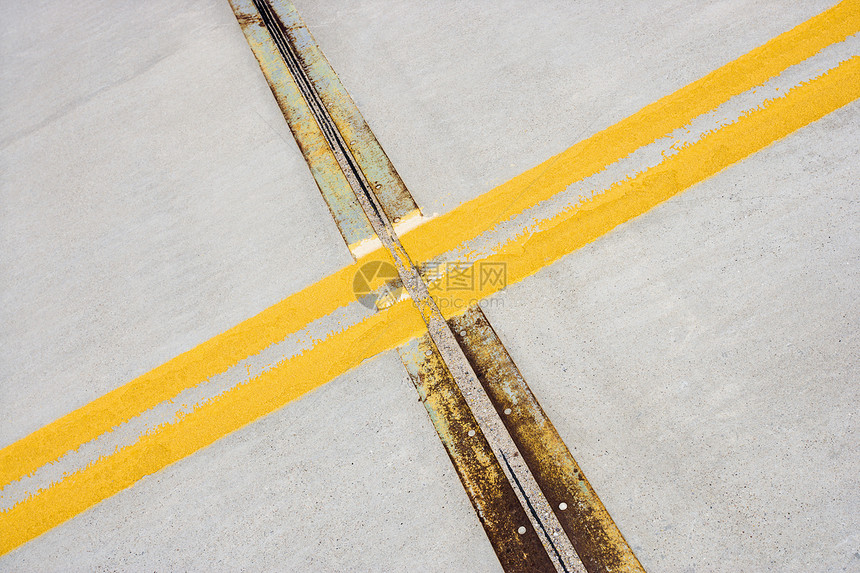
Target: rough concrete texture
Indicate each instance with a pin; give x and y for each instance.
(702, 362)
(698, 360)
(151, 197)
(349, 478)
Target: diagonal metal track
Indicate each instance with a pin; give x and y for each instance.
(485, 450)
(543, 520)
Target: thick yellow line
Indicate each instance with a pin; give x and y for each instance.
(559, 236)
(592, 155)
(237, 407)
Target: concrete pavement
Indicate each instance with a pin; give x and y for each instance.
(697, 360)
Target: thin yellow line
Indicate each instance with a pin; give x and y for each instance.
(557, 237)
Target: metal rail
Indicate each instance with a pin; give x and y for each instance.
(494, 457)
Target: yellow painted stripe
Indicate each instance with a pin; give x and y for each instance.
(185, 371)
(340, 352)
(207, 423)
(592, 155)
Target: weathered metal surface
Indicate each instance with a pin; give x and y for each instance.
(333, 186)
(484, 480)
(499, 496)
(597, 540)
(539, 511)
(395, 199)
(549, 531)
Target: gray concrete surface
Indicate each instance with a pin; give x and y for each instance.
(699, 360)
(150, 200)
(152, 197)
(702, 362)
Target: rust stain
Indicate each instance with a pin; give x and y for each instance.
(330, 180)
(385, 182)
(482, 476)
(584, 519)
(594, 535)
(246, 19)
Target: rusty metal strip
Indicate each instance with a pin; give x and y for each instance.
(497, 495)
(559, 549)
(387, 186)
(332, 183)
(597, 540)
(488, 489)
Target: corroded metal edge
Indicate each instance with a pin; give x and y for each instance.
(332, 183)
(386, 184)
(482, 476)
(594, 535)
(280, 34)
